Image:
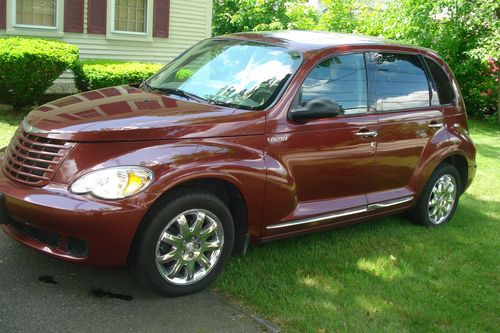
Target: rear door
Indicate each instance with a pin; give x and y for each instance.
(402, 96)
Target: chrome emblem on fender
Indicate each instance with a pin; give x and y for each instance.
(277, 139)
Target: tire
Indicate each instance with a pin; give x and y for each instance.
(441, 194)
(197, 237)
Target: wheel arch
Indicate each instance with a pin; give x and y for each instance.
(225, 188)
(454, 157)
(460, 163)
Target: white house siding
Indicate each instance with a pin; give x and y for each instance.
(190, 22)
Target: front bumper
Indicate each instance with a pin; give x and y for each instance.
(67, 226)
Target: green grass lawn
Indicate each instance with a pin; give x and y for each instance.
(8, 124)
(385, 275)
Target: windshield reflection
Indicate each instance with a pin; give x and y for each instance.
(243, 74)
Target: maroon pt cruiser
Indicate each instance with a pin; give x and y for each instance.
(240, 140)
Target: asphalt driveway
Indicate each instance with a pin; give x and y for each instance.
(41, 294)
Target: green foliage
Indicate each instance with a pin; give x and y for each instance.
(28, 66)
(183, 74)
(466, 33)
(95, 74)
(254, 15)
(338, 16)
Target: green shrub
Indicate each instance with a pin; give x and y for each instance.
(183, 74)
(95, 74)
(28, 66)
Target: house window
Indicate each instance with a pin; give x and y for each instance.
(40, 13)
(130, 16)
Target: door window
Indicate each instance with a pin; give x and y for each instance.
(398, 81)
(443, 84)
(340, 78)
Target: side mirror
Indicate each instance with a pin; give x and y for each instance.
(322, 107)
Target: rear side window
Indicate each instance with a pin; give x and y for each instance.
(340, 78)
(398, 81)
(443, 85)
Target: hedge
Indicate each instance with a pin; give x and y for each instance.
(28, 66)
(95, 74)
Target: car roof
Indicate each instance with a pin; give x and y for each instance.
(307, 41)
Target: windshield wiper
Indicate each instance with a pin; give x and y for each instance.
(187, 95)
(221, 103)
(179, 92)
(145, 84)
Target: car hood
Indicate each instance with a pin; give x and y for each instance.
(126, 113)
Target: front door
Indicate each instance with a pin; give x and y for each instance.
(320, 170)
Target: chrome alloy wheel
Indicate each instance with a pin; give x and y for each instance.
(442, 199)
(189, 246)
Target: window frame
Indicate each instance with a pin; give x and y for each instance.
(112, 33)
(369, 110)
(371, 96)
(431, 78)
(13, 28)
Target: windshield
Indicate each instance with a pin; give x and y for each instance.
(229, 72)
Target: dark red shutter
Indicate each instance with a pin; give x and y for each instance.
(73, 16)
(97, 17)
(161, 18)
(3, 14)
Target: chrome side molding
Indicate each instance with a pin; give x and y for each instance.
(358, 210)
(389, 203)
(318, 218)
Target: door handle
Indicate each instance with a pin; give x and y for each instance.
(367, 134)
(435, 124)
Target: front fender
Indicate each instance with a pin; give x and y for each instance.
(237, 160)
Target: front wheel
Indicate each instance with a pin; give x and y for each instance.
(185, 245)
(439, 199)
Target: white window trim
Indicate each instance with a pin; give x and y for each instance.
(35, 30)
(111, 33)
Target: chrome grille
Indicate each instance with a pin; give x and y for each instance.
(33, 160)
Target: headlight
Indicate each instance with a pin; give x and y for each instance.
(113, 183)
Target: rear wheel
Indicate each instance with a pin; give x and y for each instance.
(186, 244)
(439, 199)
